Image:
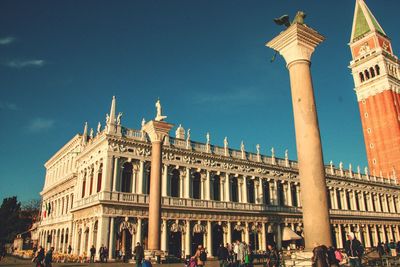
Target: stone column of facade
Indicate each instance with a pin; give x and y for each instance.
(258, 195)
(370, 202)
(392, 205)
(377, 201)
(298, 195)
(340, 240)
(164, 182)
(367, 236)
(111, 240)
(102, 232)
(229, 232)
(289, 194)
(139, 231)
(240, 190)
(202, 186)
(95, 175)
(164, 235)
(390, 234)
(209, 238)
(207, 186)
(115, 175)
(397, 232)
(227, 188)
(375, 238)
(244, 190)
(140, 181)
(186, 190)
(156, 130)
(246, 232)
(361, 200)
(346, 205)
(296, 45)
(134, 179)
(278, 236)
(263, 237)
(222, 182)
(188, 240)
(385, 201)
(272, 192)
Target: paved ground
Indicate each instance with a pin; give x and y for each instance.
(15, 262)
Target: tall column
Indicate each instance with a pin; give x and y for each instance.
(246, 232)
(134, 181)
(164, 235)
(188, 241)
(263, 237)
(385, 203)
(298, 196)
(340, 240)
(140, 178)
(296, 45)
(278, 236)
(289, 194)
(115, 175)
(367, 236)
(111, 243)
(370, 202)
(209, 238)
(222, 187)
(207, 186)
(227, 188)
(186, 190)
(139, 231)
(164, 182)
(375, 237)
(229, 234)
(258, 194)
(102, 233)
(244, 190)
(345, 202)
(202, 186)
(181, 179)
(361, 200)
(156, 130)
(272, 192)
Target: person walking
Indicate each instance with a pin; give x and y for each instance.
(139, 254)
(241, 254)
(272, 256)
(354, 250)
(200, 256)
(48, 259)
(92, 253)
(332, 259)
(223, 255)
(320, 256)
(105, 257)
(39, 257)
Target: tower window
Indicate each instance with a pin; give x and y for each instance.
(371, 145)
(363, 101)
(366, 114)
(362, 77)
(371, 70)
(369, 130)
(377, 70)
(374, 161)
(366, 75)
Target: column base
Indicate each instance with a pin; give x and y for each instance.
(154, 256)
(300, 258)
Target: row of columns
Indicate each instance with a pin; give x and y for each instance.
(59, 238)
(349, 199)
(369, 235)
(59, 206)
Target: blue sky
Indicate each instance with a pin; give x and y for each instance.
(61, 62)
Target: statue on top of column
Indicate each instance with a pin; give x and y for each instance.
(159, 116)
(91, 133)
(119, 118)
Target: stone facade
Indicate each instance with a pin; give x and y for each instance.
(97, 189)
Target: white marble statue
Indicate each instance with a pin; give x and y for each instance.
(226, 142)
(208, 138)
(350, 168)
(366, 171)
(107, 118)
(272, 152)
(91, 133)
(143, 122)
(159, 116)
(242, 146)
(341, 166)
(98, 128)
(119, 118)
(258, 149)
(286, 154)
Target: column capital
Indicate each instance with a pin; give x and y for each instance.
(296, 43)
(157, 130)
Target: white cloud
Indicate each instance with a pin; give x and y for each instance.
(18, 64)
(40, 124)
(7, 40)
(8, 106)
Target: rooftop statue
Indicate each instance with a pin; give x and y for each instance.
(159, 116)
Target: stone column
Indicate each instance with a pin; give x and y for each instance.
(207, 186)
(263, 237)
(139, 231)
(296, 45)
(289, 194)
(258, 192)
(222, 182)
(370, 199)
(229, 234)
(186, 190)
(278, 236)
(115, 175)
(344, 202)
(164, 182)
(385, 203)
(202, 186)
(298, 196)
(375, 237)
(246, 232)
(209, 238)
(227, 188)
(340, 240)
(361, 200)
(111, 247)
(272, 192)
(164, 235)
(156, 130)
(367, 236)
(134, 181)
(102, 232)
(188, 240)
(244, 190)
(139, 189)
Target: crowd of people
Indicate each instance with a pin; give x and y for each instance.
(42, 259)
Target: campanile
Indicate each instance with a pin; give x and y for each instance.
(376, 75)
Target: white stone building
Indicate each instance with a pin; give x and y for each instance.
(96, 192)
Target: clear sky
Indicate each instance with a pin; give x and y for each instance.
(61, 62)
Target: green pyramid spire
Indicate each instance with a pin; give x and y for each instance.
(364, 22)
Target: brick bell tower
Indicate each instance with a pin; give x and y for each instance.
(376, 74)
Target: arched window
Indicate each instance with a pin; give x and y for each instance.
(99, 177)
(366, 75)
(84, 186)
(91, 181)
(377, 70)
(234, 189)
(126, 177)
(250, 191)
(362, 77)
(372, 71)
(175, 183)
(196, 185)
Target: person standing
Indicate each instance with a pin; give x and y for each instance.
(92, 253)
(241, 254)
(101, 253)
(48, 259)
(354, 250)
(272, 256)
(392, 246)
(222, 254)
(105, 257)
(139, 254)
(320, 256)
(332, 259)
(200, 256)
